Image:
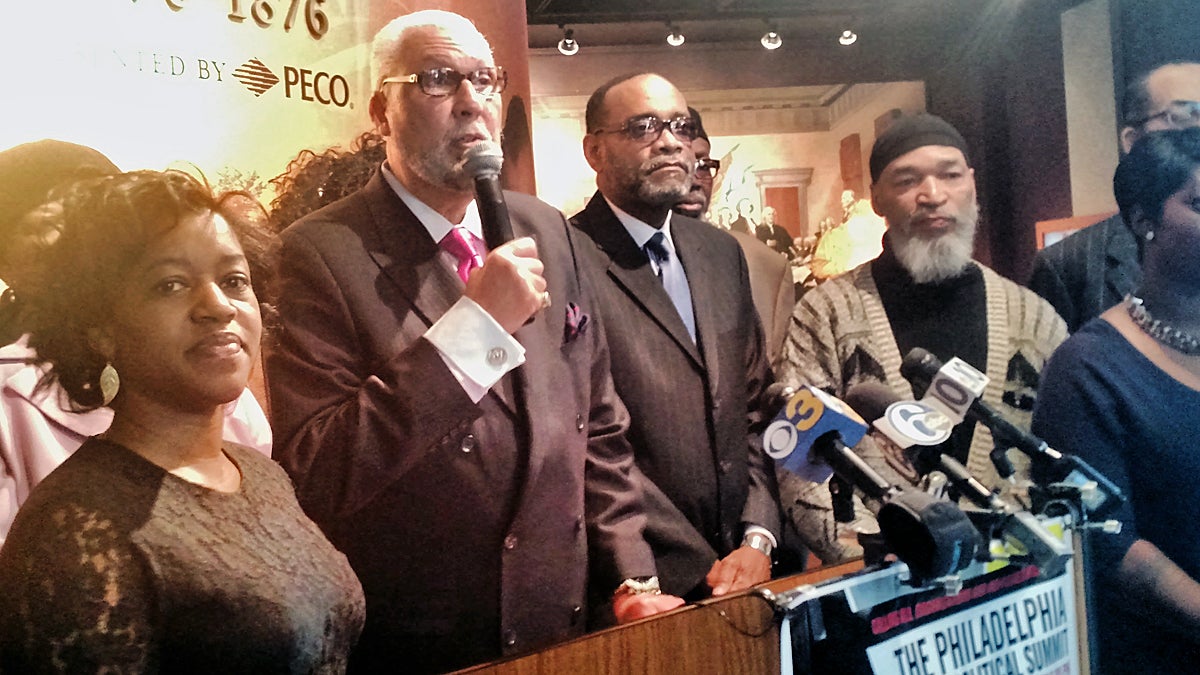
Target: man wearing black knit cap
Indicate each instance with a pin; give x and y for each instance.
(924, 291)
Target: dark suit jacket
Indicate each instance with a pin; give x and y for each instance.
(1089, 271)
(465, 522)
(697, 412)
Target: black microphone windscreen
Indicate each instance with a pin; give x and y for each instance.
(484, 158)
(870, 399)
(932, 536)
(920, 364)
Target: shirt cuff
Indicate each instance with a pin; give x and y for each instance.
(752, 529)
(476, 349)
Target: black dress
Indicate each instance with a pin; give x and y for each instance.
(115, 564)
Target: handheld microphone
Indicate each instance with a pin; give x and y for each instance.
(956, 387)
(484, 160)
(893, 417)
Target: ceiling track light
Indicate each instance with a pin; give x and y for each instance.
(847, 38)
(674, 37)
(770, 39)
(567, 46)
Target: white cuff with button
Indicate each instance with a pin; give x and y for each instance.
(475, 347)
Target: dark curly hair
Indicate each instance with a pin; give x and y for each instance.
(313, 180)
(72, 272)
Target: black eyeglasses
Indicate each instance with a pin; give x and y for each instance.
(1178, 114)
(647, 128)
(446, 81)
(707, 167)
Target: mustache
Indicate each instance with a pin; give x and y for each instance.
(931, 214)
(654, 164)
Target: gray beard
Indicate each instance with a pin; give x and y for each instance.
(436, 169)
(938, 259)
(661, 195)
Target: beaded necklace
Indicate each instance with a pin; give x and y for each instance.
(1164, 333)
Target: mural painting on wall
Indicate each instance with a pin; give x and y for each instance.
(737, 205)
(726, 192)
(840, 242)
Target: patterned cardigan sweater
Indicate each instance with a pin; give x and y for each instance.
(840, 336)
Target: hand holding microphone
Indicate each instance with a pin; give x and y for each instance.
(515, 290)
(510, 286)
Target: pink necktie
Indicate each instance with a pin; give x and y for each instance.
(458, 243)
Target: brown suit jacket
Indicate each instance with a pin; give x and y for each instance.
(697, 411)
(469, 525)
(773, 289)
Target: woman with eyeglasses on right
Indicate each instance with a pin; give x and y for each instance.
(1123, 393)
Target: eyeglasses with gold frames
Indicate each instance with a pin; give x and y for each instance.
(445, 81)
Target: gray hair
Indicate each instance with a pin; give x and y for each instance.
(386, 47)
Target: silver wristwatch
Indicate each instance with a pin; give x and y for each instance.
(759, 542)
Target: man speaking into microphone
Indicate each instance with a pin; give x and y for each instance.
(925, 291)
(468, 461)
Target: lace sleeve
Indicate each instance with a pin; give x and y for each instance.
(83, 600)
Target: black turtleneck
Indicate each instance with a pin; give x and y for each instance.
(947, 318)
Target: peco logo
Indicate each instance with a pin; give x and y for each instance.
(298, 83)
(255, 76)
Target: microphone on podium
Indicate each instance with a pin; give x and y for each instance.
(484, 161)
(956, 387)
(920, 429)
(811, 437)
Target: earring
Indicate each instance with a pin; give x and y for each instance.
(110, 382)
(1149, 235)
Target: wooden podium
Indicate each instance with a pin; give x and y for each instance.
(732, 634)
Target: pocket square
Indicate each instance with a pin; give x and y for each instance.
(576, 324)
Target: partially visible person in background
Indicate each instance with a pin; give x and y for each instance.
(38, 426)
(770, 275)
(1095, 268)
(28, 173)
(745, 220)
(1123, 393)
(159, 546)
